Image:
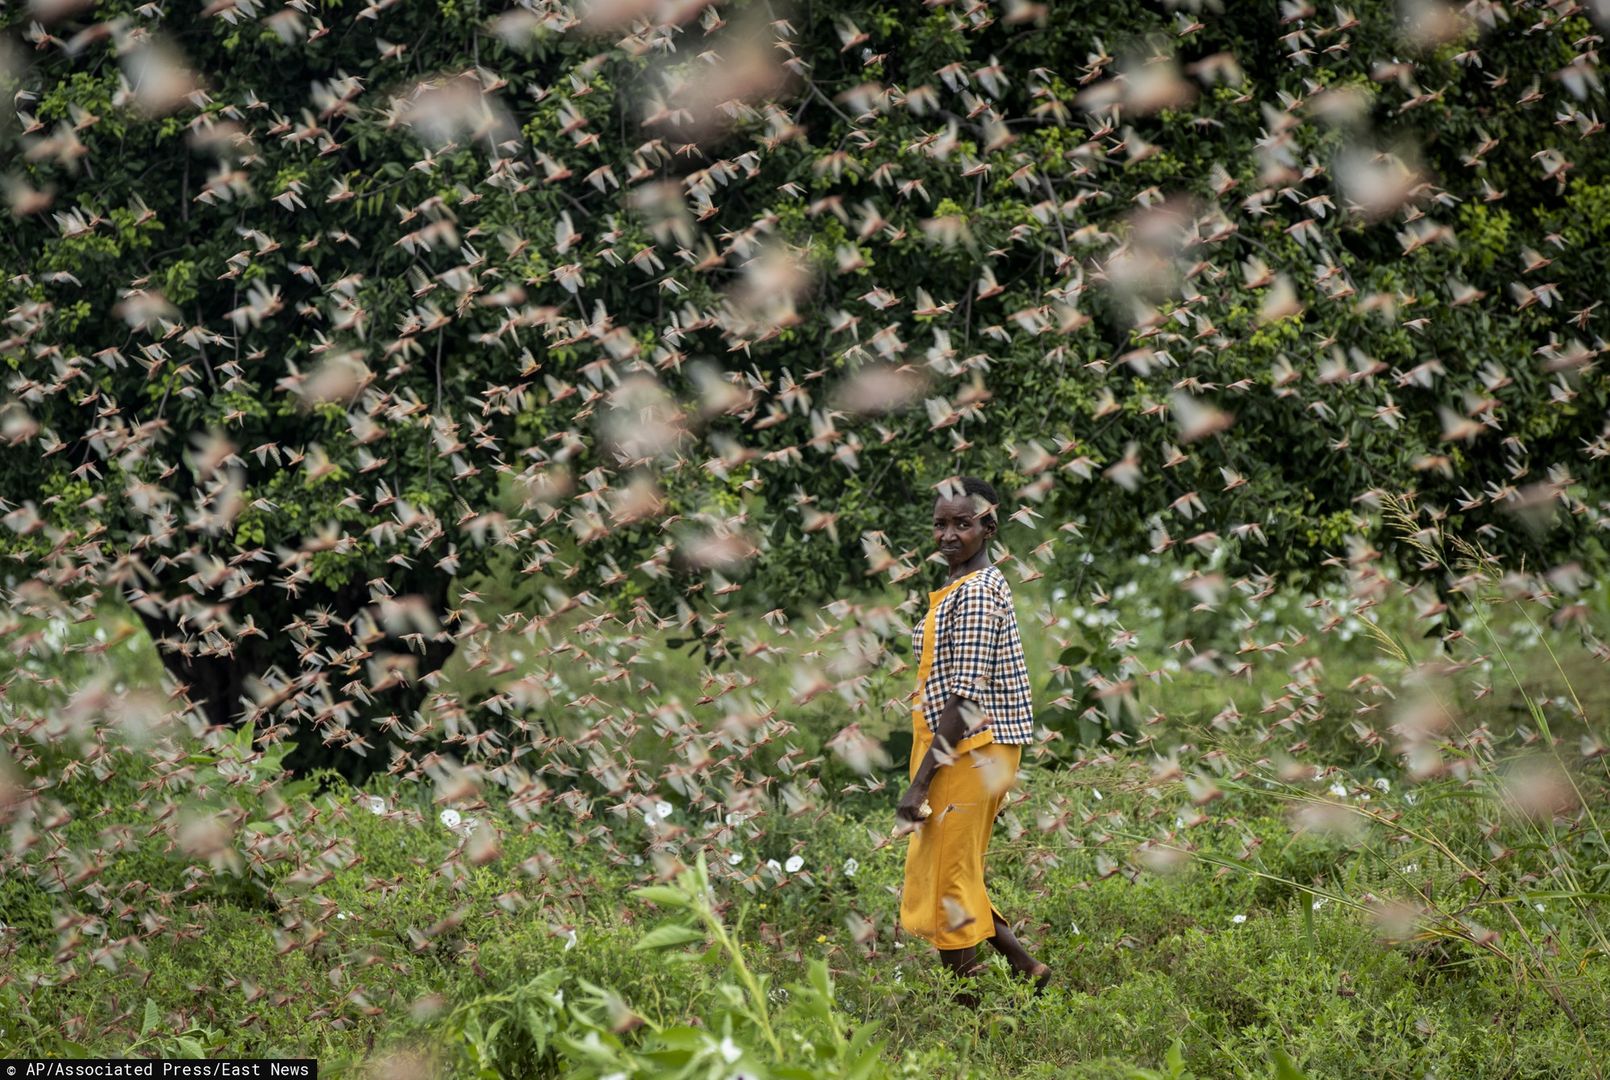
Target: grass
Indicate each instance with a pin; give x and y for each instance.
(1219, 891)
(1141, 962)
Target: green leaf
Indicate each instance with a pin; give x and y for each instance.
(1285, 1068)
(152, 1017)
(1175, 1060)
(820, 979)
(669, 937)
(683, 1038)
(863, 1035)
(662, 894)
(537, 1027)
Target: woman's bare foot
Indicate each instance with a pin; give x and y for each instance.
(1007, 944)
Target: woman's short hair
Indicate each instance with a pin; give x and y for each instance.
(972, 485)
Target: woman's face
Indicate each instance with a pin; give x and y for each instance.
(959, 530)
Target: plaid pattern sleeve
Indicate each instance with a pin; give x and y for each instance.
(979, 657)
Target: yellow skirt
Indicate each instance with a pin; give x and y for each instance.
(943, 901)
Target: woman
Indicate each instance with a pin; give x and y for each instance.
(971, 719)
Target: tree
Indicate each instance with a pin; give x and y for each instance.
(305, 321)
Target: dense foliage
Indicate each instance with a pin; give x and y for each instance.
(311, 309)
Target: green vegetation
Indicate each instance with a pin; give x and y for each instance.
(465, 497)
(1212, 906)
(393, 294)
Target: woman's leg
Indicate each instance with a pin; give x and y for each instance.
(1004, 941)
(1007, 944)
(963, 963)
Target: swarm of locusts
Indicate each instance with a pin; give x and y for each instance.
(395, 322)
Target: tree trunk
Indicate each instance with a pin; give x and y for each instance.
(218, 684)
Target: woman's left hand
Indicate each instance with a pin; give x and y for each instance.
(912, 804)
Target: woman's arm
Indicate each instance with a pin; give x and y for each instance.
(947, 734)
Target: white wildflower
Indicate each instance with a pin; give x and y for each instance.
(377, 805)
(735, 858)
(730, 1051)
(1339, 790)
(1382, 784)
(794, 863)
(1238, 919)
(663, 809)
(450, 818)
(851, 866)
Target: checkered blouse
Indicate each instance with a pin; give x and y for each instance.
(979, 655)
